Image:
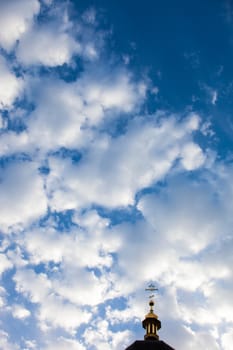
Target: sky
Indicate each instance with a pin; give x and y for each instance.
(116, 150)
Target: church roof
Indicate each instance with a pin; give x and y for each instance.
(149, 345)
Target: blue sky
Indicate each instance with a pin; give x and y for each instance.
(115, 171)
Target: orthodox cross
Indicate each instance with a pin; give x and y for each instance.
(151, 288)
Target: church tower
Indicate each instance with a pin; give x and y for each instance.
(151, 340)
(151, 324)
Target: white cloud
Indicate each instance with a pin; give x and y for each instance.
(53, 307)
(94, 247)
(66, 113)
(57, 120)
(132, 313)
(30, 344)
(117, 91)
(57, 39)
(2, 297)
(91, 248)
(141, 243)
(36, 287)
(10, 86)
(227, 339)
(101, 337)
(12, 142)
(20, 312)
(146, 149)
(183, 337)
(214, 98)
(92, 290)
(39, 289)
(211, 92)
(5, 263)
(47, 46)
(5, 344)
(196, 217)
(16, 18)
(193, 122)
(192, 156)
(64, 344)
(22, 194)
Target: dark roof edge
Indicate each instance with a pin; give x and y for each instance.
(149, 344)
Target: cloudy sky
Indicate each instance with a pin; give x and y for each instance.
(116, 141)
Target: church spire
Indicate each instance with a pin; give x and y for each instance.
(151, 323)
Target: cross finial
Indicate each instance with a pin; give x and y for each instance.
(151, 322)
(151, 288)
